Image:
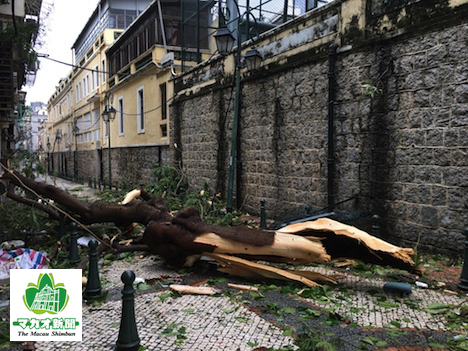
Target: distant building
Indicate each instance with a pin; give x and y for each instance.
(19, 24)
(38, 119)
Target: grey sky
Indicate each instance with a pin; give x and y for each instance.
(63, 26)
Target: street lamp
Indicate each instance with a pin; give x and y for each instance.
(224, 43)
(108, 115)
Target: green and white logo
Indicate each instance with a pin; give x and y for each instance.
(46, 305)
(46, 296)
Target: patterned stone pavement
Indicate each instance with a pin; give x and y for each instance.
(222, 322)
(198, 322)
(227, 322)
(362, 300)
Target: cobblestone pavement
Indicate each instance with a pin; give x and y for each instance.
(238, 321)
(357, 312)
(81, 191)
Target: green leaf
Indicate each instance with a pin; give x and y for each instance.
(368, 340)
(288, 332)
(437, 345)
(163, 297)
(396, 323)
(386, 304)
(438, 308)
(381, 343)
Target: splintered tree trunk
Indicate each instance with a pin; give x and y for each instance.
(180, 240)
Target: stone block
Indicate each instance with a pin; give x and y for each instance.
(435, 137)
(429, 216)
(456, 199)
(451, 137)
(461, 92)
(422, 98)
(436, 54)
(449, 218)
(441, 157)
(461, 73)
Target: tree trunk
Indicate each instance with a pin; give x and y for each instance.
(182, 239)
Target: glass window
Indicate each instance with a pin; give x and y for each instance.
(121, 116)
(103, 70)
(112, 21)
(163, 101)
(141, 110)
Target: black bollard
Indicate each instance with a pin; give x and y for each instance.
(262, 215)
(93, 286)
(128, 333)
(90, 183)
(94, 183)
(376, 225)
(73, 257)
(464, 274)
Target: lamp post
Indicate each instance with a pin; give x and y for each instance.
(58, 139)
(225, 43)
(48, 154)
(108, 115)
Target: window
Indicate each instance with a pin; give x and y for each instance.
(163, 130)
(95, 78)
(103, 71)
(86, 86)
(121, 116)
(77, 93)
(162, 88)
(141, 110)
(80, 91)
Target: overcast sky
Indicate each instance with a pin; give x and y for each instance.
(62, 27)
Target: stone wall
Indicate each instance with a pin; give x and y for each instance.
(131, 165)
(400, 134)
(134, 164)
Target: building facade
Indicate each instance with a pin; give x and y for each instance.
(19, 25)
(74, 128)
(128, 71)
(360, 107)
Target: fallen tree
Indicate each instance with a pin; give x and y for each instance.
(183, 238)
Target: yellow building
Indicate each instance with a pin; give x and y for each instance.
(129, 72)
(73, 131)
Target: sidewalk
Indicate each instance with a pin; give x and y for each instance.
(81, 191)
(237, 320)
(356, 315)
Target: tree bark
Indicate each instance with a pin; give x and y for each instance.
(182, 239)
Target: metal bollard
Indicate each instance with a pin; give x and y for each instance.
(262, 215)
(128, 334)
(93, 287)
(73, 256)
(464, 274)
(376, 225)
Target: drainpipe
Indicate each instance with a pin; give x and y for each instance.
(331, 117)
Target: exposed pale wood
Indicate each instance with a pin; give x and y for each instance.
(293, 247)
(130, 196)
(242, 287)
(374, 244)
(265, 271)
(193, 290)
